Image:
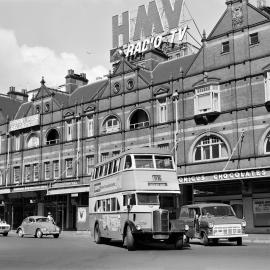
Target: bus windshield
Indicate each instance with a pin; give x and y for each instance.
(163, 162)
(144, 161)
(147, 198)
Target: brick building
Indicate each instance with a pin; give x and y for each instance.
(211, 106)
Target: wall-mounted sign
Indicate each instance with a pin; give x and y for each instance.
(26, 122)
(224, 176)
(135, 33)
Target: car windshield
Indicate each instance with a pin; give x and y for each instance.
(147, 198)
(43, 219)
(218, 211)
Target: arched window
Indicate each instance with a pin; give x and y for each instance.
(267, 143)
(52, 137)
(33, 141)
(209, 148)
(139, 119)
(111, 124)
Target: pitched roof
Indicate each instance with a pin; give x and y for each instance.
(166, 69)
(87, 92)
(23, 110)
(8, 107)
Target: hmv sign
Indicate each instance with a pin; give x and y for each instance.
(148, 26)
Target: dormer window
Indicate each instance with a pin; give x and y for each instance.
(207, 99)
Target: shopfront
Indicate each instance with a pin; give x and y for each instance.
(247, 191)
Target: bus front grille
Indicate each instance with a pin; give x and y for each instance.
(161, 221)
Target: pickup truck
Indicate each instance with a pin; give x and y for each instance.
(211, 222)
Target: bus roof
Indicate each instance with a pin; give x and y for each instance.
(138, 151)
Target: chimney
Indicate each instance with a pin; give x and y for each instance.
(73, 81)
(20, 96)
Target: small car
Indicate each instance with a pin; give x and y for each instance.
(38, 226)
(213, 221)
(4, 228)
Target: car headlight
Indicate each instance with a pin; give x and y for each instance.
(138, 227)
(244, 223)
(210, 225)
(44, 229)
(186, 227)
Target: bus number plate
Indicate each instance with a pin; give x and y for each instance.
(156, 178)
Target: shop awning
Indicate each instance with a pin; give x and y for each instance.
(68, 190)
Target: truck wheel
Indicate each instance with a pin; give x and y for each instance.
(97, 237)
(5, 234)
(130, 241)
(179, 243)
(205, 240)
(215, 241)
(239, 241)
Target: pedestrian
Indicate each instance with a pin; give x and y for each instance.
(50, 217)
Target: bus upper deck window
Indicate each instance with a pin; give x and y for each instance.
(144, 161)
(163, 162)
(128, 162)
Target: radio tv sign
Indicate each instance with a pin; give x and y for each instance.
(150, 27)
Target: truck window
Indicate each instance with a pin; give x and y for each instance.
(184, 212)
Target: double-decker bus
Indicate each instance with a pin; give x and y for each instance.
(134, 197)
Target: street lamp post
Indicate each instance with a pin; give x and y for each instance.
(175, 99)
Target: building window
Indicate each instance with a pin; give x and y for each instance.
(47, 107)
(90, 126)
(139, 119)
(210, 148)
(33, 141)
(115, 153)
(267, 86)
(1, 177)
(47, 170)
(69, 167)
(36, 172)
(56, 171)
(162, 110)
(17, 143)
(69, 130)
(52, 137)
(90, 162)
(225, 47)
(164, 146)
(16, 175)
(111, 125)
(27, 173)
(0, 144)
(104, 156)
(130, 84)
(116, 87)
(37, 109)
(253, 39)
(267, 144)
(207, 99)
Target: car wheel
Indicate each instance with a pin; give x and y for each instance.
(130, 241)
(205, 240)
(5, 234)
(20, 233)
(179, 243)
(39, 233)
(56, 235)
(239, 241)
(97, 237)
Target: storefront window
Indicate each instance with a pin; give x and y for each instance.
(261, 211)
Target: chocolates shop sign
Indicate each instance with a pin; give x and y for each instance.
(224, 176)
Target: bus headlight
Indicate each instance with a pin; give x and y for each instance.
(244, 223)
(138, 227)
(210, 225)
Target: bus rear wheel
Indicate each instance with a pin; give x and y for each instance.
(179, 243)
(97, 237)
(130, 241)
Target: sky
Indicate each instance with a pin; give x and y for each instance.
(49, 37)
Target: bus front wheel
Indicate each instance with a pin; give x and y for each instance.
(97, 236)
(130, 241)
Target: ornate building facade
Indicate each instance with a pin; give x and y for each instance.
(211, 108)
